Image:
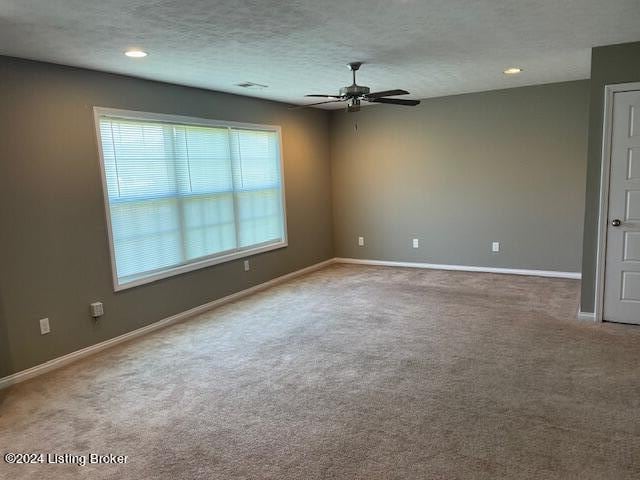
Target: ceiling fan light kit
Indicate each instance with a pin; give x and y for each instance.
(354, 94)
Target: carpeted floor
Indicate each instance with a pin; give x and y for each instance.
(351, 373)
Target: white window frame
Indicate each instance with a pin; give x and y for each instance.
(205, 261)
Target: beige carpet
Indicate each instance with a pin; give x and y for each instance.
(351, 373)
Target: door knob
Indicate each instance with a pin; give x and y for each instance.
(616, 222)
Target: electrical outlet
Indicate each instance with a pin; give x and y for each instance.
(416, 243)
(44, 326)
(495, 247)
(247, 266)
(361, 241)
(97, 309)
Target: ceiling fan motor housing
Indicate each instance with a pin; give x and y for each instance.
(354, 91)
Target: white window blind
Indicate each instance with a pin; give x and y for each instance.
(181, 196)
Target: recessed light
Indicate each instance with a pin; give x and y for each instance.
(512, 71)
(135, 53)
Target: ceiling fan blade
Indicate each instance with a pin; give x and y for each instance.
(323, 96)
(387, 93)
(314, 104)
(396, 101)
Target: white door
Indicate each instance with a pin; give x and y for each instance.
(622, 269)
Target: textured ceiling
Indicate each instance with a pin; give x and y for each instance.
(429, 47)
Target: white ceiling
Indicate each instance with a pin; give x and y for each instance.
(429, 47)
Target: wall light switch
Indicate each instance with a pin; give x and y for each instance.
(361, 241)
(416, 243)
(44, 326)
(495, 247)
(247, 266)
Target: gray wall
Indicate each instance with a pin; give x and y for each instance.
(460, 172)
(5, 357)
(54, 256)
(457, 172)
(609, 65)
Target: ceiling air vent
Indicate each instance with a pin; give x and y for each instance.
(251, 85)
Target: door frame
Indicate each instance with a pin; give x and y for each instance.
(605, 185)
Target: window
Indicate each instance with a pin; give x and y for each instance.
(184, 193)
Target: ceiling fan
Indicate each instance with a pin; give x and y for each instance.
(354, 94)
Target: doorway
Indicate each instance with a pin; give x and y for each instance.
(619, 251)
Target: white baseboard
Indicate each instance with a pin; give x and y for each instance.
(586, 316)
(464, 268)
(93, 349)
